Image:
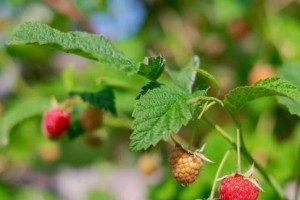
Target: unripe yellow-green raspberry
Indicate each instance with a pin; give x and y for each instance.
(185, 165)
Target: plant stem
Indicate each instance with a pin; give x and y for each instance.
(220, 130)
(297, 185)
(206, 98)
(192, 138)
(247, 155)
(211, 196)
(238, 150)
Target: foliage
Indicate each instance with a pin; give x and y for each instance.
(159, 113)
(174, 104)
(238, 97)
(87, 45)
(103, 99)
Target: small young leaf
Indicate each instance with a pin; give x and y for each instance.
(152, 67)
(238, 97)
(148, 87)
(104, 99)
(159, 113)
(20, 112)
(187, 75)
(95, 47)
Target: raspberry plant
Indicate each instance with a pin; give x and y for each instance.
(162, 108)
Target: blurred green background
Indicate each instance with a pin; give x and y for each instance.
(238, 41)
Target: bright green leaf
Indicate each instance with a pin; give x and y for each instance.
(104, 99)
(290, 72)
(95, 47)
(239, 96)
(187, 76)
(152, 67)
(159, 113)
(21, 111)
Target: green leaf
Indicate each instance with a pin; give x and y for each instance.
(75, 128)
(104, 99)
(20, 112)
(91, 46)
(187, 76)
(159, 113)
(290, 72)
(152, 67)
(209, 77)
(238, 97)
(148, 87)
(95, 47)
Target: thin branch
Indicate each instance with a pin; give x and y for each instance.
(211, 196)
(220, 130)
(238, 150)
(276, 187)
(297, 175)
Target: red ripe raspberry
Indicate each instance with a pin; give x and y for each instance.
(185, 165)
(238, 187)
(56, 121)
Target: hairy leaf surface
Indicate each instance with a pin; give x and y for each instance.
(239, 96)
(159, 113)
(104, 99)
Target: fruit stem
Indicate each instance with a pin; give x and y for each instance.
(275, 186)
(192, 138)
(71, 101)
(206, 98)
(220, 130)
(205, 108)
(212, 192)
(238, 150)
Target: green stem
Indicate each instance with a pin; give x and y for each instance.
(204, 108)
(212, 193)
(206, 98)
(220, 130)
(297, 186)
(275, 186)
(192, 138)
(238, 150)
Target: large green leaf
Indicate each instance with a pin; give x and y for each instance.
(21, 111)
(159, 113)
(95, 47)
(149, 86)
(239, 96)
(290, 72)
